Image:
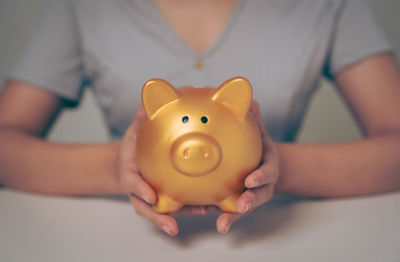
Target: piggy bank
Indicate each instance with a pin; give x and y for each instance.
(197, 145)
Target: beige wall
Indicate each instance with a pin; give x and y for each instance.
(327, 119)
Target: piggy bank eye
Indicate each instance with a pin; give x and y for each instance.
(204, 119)
(185, 119)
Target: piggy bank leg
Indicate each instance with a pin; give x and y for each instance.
(165, 204)
(229, 204)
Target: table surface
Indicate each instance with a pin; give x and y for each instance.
(47, 228)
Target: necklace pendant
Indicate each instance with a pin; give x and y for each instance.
(199, 65)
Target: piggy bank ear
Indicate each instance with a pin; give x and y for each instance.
(236, 94)
(157, 93)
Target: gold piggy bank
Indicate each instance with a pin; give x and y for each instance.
(197, 145)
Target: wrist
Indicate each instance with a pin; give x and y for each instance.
(282, 186)
(111, 184)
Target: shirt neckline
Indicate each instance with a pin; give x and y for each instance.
(179, 43)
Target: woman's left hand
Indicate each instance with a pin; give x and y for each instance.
(260, 183)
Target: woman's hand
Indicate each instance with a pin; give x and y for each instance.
(141, 194)
(260, 183)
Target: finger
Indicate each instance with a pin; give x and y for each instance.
(255, 110)
(138, 118)
(225, 221)
(265, 174)
(190, 211)
(165, 222)
(253, 106)
(133, 129)
(133, 183)
(253, 198)
(269, 150)
(213, 209)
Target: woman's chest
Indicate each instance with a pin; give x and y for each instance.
(126, 44)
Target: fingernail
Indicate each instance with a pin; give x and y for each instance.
(174, 232)
(199, 211)
(252, 183)
(146, 198)
(227, 228)
(245, 207)
(167, 230)
(224, 228)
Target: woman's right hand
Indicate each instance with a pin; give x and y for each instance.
(141, 194)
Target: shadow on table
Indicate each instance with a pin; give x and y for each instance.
(275, 219)
(271, 219)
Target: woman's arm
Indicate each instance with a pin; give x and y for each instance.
(370, 165)
(29, 163)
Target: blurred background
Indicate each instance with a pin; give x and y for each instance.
(327, 120)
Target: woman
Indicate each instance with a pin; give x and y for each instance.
(282, 47)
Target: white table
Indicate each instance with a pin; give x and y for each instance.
(44, 228)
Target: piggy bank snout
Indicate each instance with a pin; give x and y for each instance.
(195, 154)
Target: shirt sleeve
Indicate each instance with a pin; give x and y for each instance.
(52, 59)
(356, 36)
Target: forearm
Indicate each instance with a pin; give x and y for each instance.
(31, 164)
(366, 166)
